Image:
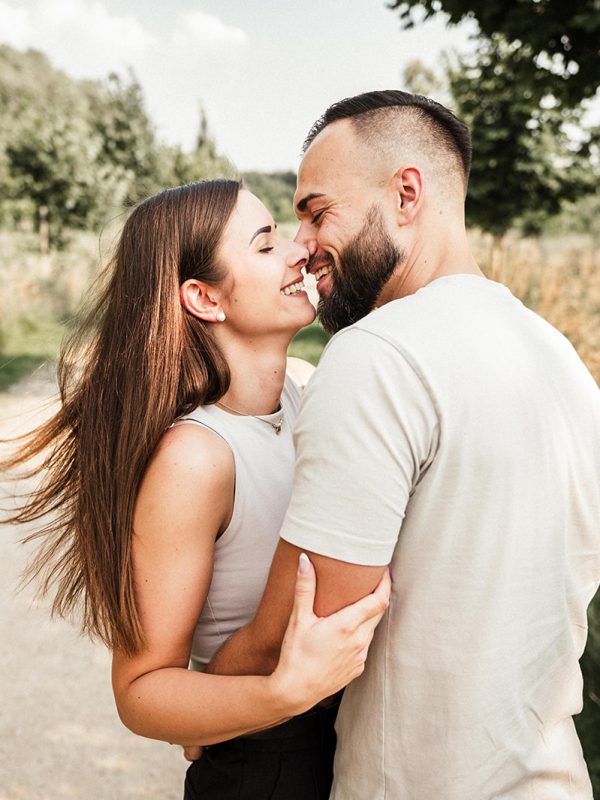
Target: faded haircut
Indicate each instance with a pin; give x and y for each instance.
(375, 118)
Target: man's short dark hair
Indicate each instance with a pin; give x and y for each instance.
(365, 109)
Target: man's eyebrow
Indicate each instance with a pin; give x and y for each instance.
(301, 205)
(265, 229)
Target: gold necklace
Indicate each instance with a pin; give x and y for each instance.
(275, 425)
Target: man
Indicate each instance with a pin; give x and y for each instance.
(454, 434)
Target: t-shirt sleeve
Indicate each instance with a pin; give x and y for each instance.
(367, 430)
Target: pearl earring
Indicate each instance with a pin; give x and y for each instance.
(221, 317)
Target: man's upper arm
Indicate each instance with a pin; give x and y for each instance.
(338, 584)
(367, 431)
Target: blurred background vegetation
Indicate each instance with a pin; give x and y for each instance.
(74, 155)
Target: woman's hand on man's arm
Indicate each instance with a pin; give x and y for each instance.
(255, 649)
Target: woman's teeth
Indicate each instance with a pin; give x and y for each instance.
(295, 287)
(323, 271)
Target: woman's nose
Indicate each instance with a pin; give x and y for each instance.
(298, 256)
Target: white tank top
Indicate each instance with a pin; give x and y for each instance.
(264, 471)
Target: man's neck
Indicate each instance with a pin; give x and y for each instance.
(427, 263)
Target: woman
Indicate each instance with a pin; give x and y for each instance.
(169, 470)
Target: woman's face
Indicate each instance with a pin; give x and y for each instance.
(262, 292)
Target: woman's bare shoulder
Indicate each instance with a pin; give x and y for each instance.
(300, 370)
(192, 467)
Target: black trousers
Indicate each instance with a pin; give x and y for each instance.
(293, 761)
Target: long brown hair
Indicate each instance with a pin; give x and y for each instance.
(137, 361)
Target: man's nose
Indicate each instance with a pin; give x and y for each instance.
(306, 237)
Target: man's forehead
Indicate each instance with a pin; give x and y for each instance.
(326, 163)
(329, 146)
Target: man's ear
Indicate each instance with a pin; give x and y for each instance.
(201, 300)
(408, 190)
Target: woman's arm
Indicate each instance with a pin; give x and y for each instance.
(185, 500)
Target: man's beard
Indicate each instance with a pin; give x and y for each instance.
(366, 264)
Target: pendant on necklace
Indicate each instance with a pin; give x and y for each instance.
(277, 426)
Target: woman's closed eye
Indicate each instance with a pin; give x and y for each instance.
(265, 249)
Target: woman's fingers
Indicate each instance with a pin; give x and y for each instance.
(304, 595)
(192, 752)
(320, 655)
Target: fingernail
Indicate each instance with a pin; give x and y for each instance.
(303, 564)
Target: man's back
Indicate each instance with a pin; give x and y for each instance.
(474, 431)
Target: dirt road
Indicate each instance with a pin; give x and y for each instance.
(60, 737)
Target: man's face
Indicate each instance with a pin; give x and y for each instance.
(343, 226)
(367, 263)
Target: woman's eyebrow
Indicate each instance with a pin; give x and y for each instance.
(265, 229)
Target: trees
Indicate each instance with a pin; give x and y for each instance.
(204, 162)
(276, 190)
(50, 165)
(562, 37)
(524, 164)
(54, 161)
(530, 153)
(118, 117)
(73, 153)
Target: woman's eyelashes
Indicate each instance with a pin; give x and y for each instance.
(265, 249)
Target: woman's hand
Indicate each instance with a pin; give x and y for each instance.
(321, 655)
(192, 752)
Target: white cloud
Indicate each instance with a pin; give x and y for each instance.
(85, 39)
(206, 29)
(14, 25)
(192, 60)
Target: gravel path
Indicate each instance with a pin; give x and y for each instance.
(60, 737)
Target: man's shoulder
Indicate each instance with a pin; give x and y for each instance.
(387, 328)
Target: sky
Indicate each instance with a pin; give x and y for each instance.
(263, 70)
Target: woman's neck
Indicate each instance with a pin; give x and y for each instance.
(257, 375)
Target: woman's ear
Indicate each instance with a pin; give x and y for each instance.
(408, 187)
(201, 300)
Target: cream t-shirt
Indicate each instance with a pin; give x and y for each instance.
(456, 434)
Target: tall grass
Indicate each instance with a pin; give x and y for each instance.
(39, 297)
(558, 278)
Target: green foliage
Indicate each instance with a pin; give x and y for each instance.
(27, 345)
(50, 154)
(524, 165)
(420, 79)
(77, 152)
(563, 38)
(55, 162)
(121, 123)
(309, 343)
(276, 190)
(588, 722)
(204, 162)
(582, 216)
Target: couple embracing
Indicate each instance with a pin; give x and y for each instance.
(449, 439)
